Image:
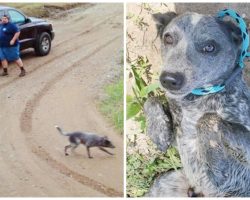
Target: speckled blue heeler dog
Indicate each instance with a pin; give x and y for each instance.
(211, 132)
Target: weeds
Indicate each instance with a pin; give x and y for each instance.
(142, 88)
(40, 9)
(146, 6)
(138, 21)
(141, 171)
(112, 105)
(143, 168)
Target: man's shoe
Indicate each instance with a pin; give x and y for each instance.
(23, 72)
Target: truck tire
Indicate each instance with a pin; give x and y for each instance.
(43, 44)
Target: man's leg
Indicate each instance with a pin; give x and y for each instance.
(5, 67)
(20, 65)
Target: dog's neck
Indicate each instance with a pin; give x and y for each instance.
(232, 93)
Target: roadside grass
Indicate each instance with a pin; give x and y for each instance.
(144, 161)
(112, 105)
(142, 170)
(40, 9)
(31, 9)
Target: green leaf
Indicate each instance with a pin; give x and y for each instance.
(133, 109)
(140, 83)
(150, 88)
(142, 120)
(129, 99)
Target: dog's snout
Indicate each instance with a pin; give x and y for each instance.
(172, 81)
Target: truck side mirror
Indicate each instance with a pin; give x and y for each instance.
(27, 20)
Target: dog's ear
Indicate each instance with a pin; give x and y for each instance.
(232, 30)
(105, 137)
(162, 20)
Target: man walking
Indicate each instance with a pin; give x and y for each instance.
(9, 45)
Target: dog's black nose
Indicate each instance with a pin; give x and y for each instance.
(172, 81)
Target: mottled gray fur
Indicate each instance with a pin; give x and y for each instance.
(211, 132)
(87, 139)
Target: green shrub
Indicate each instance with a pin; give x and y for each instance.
(112, 105)
(142, 168)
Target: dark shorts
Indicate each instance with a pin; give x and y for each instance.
(9, 53)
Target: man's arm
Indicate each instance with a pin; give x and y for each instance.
(16, 36)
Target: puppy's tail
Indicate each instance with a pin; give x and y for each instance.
(61, 131)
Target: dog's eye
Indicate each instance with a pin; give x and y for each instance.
(168, 39)
(208, 48)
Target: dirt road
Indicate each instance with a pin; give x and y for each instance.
(62, 88)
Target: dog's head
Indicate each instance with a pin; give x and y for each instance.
(106, 142)
(197, 51)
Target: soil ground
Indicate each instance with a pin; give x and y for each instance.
(63, 89)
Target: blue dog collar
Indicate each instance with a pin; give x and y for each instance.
(208, 90)
(245, 43)
(244, 33)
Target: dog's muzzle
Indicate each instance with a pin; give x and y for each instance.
(172, 81)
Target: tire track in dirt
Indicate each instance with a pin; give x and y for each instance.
(3, 85)
(88, 30)
(26, 128)
(52, 59)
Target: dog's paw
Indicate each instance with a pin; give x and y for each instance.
(153, 107)
(159, 124)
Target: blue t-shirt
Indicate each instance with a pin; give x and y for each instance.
(7, 32)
